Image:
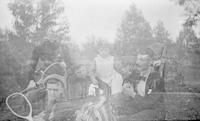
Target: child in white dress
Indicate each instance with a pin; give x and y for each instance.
(104, 70)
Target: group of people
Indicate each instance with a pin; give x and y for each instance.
(145, 78)
(136, 82)
(105, 79)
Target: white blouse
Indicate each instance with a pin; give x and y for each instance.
(105, 68)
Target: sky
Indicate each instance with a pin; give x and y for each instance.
(5, 15)
(101, 18)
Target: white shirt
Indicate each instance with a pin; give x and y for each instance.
(105, 68)
(106, 72)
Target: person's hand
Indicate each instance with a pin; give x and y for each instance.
(32, 84)
(63, 64)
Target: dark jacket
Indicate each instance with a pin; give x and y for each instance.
(46, 53)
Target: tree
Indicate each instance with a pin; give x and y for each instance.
(192, 11)
(188, 47)
(187, 36)
(9, 81)
(23, 12)
(36, 19)
(92, 46)
(51, 19)
(133, 33)
(188, 42)
(160, 33)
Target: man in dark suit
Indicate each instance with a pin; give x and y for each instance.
(42, 56)
(148, 82)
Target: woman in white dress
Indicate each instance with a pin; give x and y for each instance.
(103, 67)
(108, 80)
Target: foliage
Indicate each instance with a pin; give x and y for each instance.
(188, 42)
(9, 71)
(187, 53)
(192, 11)
(187, 36)
(34, 20)
(160, 33)
(133, 33)
(92, 46)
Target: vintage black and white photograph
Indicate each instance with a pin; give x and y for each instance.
(99, 60)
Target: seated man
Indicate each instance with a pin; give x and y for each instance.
(146, 77)
(138, 76)
(147, 81)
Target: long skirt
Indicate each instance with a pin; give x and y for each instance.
(116, 81)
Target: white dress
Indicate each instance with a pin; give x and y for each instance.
(106, 72)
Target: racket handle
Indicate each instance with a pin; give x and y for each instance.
(30, 119)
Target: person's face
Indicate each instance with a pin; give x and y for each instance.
(104, 52)
(143, 62)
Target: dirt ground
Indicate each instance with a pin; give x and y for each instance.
(184, 105)
(179, 106)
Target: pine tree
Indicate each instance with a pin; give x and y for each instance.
(133, 33)
(187, 36)
(34, 20)
(192, 11)
(160, 33)
(92, 46)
